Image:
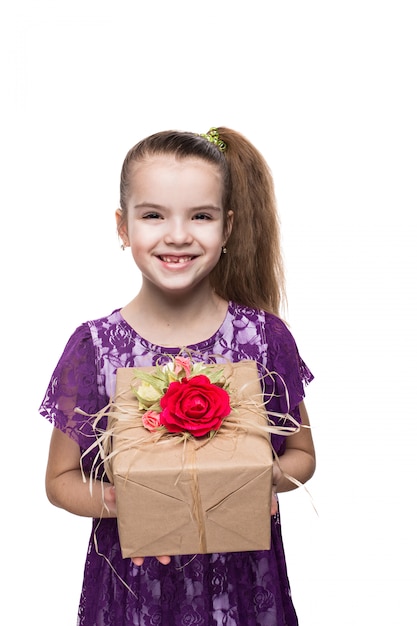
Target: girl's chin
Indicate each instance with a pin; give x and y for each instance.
(177, 288)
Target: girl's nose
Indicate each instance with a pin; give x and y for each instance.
(178, 233)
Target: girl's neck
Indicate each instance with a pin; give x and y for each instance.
(175, 321)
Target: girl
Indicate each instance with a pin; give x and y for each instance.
(199, 214)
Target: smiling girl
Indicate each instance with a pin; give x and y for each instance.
(199, 215)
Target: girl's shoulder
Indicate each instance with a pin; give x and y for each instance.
(278, 330)
(268, 331)
(283, 349)
(85, 338)
(273, 326)
(107, 321)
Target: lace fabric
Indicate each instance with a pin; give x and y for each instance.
(233, 589)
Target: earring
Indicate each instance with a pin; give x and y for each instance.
(224, 250)
(123, 247)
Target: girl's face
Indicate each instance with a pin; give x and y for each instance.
(175, 222)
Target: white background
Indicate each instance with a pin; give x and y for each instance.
(327, 91)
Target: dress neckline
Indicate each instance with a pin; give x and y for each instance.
(201, 346)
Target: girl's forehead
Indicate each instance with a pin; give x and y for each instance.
(164, 179)
(172, 162)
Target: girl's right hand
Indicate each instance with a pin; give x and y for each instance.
(109, 498)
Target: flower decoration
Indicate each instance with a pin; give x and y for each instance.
(183, 397)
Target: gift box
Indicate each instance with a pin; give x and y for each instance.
(193, 495)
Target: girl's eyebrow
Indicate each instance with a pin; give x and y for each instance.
(152, 205)
(147, 205)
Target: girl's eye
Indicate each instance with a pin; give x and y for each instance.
(151, 216)
(202, 216)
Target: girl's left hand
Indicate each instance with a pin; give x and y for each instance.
(274, 504)
(276, 475)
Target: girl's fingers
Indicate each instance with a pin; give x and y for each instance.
(138, 560)
(274, 504)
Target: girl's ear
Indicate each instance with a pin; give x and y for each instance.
(122, 227)
(228, 225)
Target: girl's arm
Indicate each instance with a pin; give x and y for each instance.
(64, 483)
(65, 487)
(298, 460)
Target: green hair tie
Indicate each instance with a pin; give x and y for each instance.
(213, 137)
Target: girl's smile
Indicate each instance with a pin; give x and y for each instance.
(176, 259)
(178, 262)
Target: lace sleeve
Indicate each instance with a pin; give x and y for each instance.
(291, 374)
(74, 384)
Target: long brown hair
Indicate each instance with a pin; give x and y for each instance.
(251, 272)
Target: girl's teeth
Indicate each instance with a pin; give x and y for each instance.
(169, 259)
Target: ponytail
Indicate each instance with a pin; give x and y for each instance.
(251, 273)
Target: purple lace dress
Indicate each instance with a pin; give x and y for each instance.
(232, 589)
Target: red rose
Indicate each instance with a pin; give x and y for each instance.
(194, 405)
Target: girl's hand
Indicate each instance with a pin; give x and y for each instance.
(274, 503)
(109, 498)
(138, 560)
(276, 475)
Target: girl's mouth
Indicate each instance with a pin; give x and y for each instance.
(176, 259)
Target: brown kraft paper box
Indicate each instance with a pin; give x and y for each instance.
(189, 498)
